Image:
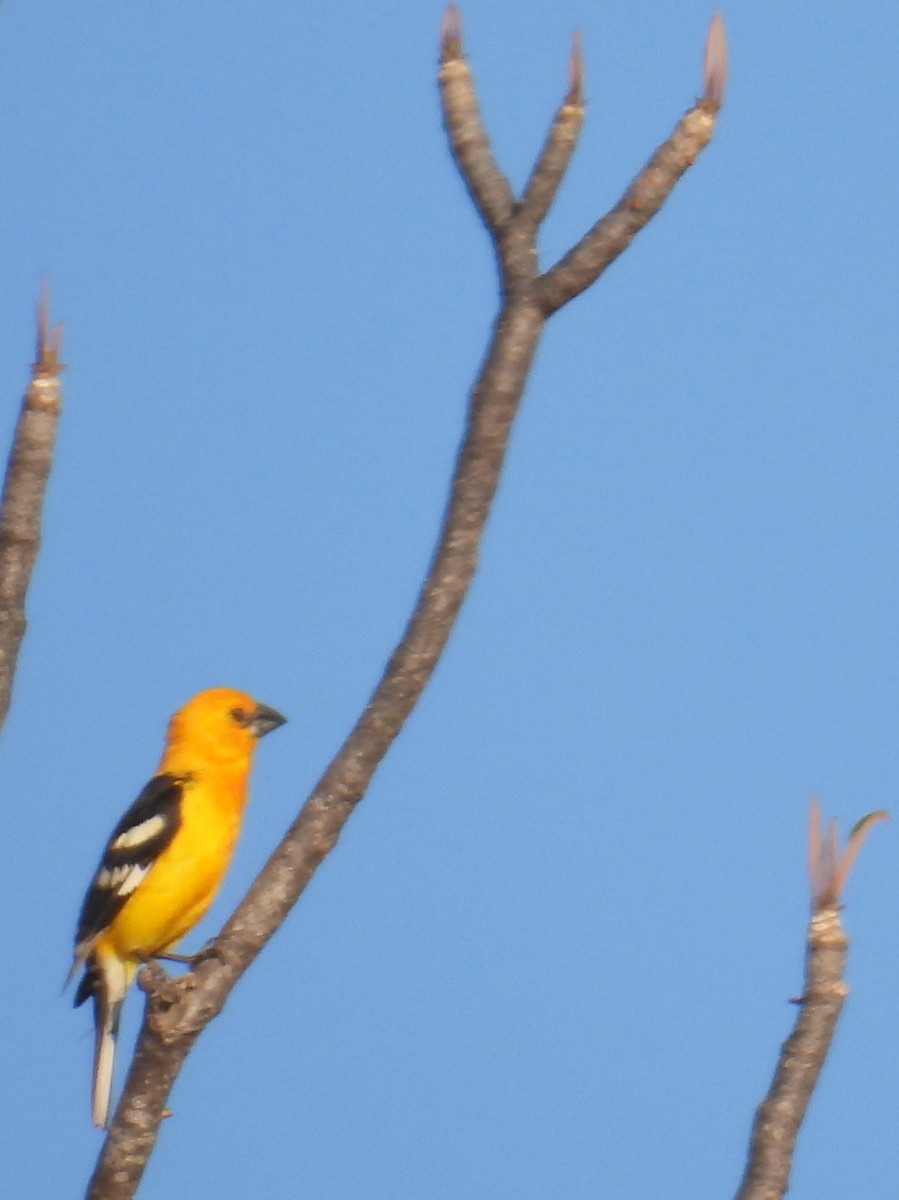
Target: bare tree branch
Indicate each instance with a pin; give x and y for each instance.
(780, 1115)
(614, 232)
(489, 188)
(22, 503)
(178, 1010)
(550, 167)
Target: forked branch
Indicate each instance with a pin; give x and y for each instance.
(614, 232)
(177, 1011)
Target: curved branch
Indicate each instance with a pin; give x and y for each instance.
(21, 505)
(178, 1011)
(469, 144)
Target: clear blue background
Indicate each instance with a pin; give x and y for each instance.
(552, 955)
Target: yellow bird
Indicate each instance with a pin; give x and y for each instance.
(166, 858)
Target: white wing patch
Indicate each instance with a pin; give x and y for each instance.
(137, 835)
(122, 880)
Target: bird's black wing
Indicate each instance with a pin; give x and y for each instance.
(136, 842)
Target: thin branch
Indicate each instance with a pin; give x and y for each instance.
(779, 1117)
(178, 1010)
(21, 505)
(802, 1056)
(469, 144)
(172, 1027)
(550, 168)
(614, 232)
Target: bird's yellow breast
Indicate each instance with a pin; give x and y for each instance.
(184, 880)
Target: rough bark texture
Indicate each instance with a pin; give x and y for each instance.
(802, 1056)
(781, 1113)
(22, 503)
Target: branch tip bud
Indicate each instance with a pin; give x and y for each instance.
(829, 868)
(576, 71)
(49, 340)
(451, 35)
(715, 63)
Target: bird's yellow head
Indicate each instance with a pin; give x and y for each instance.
(219, 725)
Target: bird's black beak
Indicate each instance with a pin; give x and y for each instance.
(263, 720)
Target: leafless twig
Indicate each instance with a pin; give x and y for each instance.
(178, 1011)
(22, 503)
(802, 1055)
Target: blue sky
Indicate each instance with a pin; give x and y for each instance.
(552, 954)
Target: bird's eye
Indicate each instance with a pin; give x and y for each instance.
(239, 716)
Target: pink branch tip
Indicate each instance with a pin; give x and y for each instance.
(715, 64)
(49, 340)
(451, 34)
(829, 870)
(576, 71)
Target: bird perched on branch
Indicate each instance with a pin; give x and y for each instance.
(166, 858)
